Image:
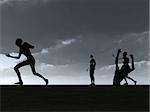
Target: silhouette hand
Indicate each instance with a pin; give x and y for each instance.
(8, 55)
(119, 50)
(131, 55)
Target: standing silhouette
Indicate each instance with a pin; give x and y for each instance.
(121, 74)
(92, 69)
(25, 49)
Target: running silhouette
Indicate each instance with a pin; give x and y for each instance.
(25, 49)
(121, 74)
(92, 69)
(126, 68)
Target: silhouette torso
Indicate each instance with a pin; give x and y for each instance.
(92, 64)
(125, 68)
(25, 49)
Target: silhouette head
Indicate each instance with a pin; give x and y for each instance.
(91, 56)
(124, 54)
(19, 41)
(126, 61)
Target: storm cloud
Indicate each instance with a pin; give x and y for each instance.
(66, 32)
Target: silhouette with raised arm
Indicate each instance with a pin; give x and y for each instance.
(121, 74)
(117, 77)
(24, 48)
(92, 69)
(126, 68)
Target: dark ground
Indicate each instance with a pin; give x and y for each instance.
(74, 98)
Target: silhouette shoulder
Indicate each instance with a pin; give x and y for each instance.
(25, 44)
(93, 60)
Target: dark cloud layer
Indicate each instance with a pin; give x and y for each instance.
(98, 26)
(79, 50)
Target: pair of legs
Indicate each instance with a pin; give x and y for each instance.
(32, 64)
(92, 76)
(130, 79)
(128, 70)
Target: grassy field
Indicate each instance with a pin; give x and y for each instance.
(74, 98)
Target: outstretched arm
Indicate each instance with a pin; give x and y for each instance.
(132, 63)
(16, 57)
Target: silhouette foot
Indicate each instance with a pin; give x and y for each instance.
(135, 82)
(21, 83)
(125, 84)
(92, 84)
(46, 80)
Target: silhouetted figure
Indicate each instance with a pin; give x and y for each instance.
(25, 49)
(126, 68)
(119, 73)
(92, 69)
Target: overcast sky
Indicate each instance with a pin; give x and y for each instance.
(66, 32)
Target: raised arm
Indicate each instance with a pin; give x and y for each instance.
(132, 64)
(117, 57)
(16, 57)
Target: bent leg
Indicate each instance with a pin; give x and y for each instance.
(16, 68)
(125, 81)
(37, 74)
(131, 79)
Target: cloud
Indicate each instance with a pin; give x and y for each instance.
(44, 51)
(59, 60)
(59, 44)
(67, 42)
(44, 66)
(11, 1)
(77, 50)
(137, 37)
(25, 1)
(63, 43)
(3, 1)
